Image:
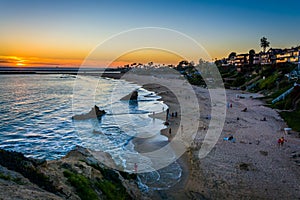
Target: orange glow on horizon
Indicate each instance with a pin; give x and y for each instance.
(143, 56)
(13, 61)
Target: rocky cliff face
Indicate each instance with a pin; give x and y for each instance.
(76, 176)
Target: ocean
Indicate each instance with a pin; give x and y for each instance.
(36, 119)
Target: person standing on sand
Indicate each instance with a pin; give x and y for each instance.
(281, 141)
(167, 114)
(135, 168)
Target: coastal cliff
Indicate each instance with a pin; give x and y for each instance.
(78, 175)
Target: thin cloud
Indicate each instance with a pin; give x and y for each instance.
(6, 61)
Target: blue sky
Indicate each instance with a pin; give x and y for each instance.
(70, 29)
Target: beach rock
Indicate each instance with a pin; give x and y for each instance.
(132, 96)
(196, 195)
(95, 112)
(264, 153)
(245, 166)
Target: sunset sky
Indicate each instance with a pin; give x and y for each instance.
(63, 33)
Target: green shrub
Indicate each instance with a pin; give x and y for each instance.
(82, 185)
(112, 191)
(268, 83)
(5, 177)
(239, 81)
(279, 105)
(9, 178)
(292, 119)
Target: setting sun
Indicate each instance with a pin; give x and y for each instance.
(20, 64)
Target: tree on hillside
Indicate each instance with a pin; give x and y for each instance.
(264, 43)
(181, 65)
(232, 55)
(251, 57)
(252, 52)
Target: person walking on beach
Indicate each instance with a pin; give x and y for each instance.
(167, 114)
(281, 141)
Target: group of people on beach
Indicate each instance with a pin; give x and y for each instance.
(229, 105)
(280, 141)
(168, 115)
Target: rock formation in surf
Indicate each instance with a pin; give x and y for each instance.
(95, 112)
(132, 96)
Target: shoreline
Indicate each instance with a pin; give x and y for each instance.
(113, 75)
(177, 190)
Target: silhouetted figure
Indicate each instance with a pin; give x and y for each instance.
(167, 116)
(263, 119)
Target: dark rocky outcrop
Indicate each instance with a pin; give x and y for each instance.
(95, 112)
(132, 96)
(27, 167)
(78, 175)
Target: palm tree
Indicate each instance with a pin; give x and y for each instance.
(264, 43)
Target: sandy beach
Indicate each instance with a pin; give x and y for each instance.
(252, 166)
